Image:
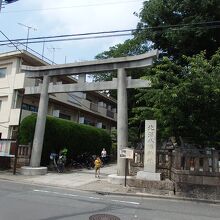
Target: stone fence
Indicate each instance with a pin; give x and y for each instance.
(196, 173)
(23, 158)
(203, 164)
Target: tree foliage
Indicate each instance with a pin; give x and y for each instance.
(184, 100)
(181, 27)
(176, 27)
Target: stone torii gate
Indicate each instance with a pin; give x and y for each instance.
(121, 83)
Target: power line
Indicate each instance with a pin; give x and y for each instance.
(73, 6)
(209, 24)
(116, 33)
(10, 41)
(27, 48)
(70, 39)
(73, 35)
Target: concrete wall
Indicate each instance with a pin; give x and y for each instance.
(153, 187)
(197, 191)
(8, 84)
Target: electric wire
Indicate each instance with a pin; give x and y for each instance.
(25, 46)
(10, 41)
(70, 7)
(116, 33)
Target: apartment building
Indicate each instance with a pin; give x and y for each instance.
(93, 108)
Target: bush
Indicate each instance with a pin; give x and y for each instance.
(60, 133)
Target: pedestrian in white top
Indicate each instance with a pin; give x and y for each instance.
(103, 155)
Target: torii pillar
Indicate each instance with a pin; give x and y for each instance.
(122, 119)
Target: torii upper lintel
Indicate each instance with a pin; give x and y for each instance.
(94, 66)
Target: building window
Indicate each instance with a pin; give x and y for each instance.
(28, 107)
(89, 122)
(64, 116)
(2, 72)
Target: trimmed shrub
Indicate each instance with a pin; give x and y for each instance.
(60, 133)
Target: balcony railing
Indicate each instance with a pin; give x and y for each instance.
(93, 107)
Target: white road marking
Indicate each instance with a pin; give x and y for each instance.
(88, 197)
(57, 193)
(128, 202)
(94, 197)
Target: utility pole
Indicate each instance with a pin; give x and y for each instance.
(28, 28)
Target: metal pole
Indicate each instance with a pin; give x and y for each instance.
(27, 38)
(126, 170)
(43, 50)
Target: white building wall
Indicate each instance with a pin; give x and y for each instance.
(8, 84)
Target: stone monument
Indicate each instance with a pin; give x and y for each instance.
(149, 172)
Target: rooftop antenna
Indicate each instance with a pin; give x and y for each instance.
(28, 28)
(53, 49)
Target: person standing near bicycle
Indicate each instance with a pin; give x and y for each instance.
(98, 164)
(62, 160)
(103, 156)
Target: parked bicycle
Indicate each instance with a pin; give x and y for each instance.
(58, 161)
(85, 160)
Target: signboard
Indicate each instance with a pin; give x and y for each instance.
(5, 146)
(127, 153)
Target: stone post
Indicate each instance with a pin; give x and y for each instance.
(122, 120)
(149, 172)
(40, 125)
(215, 160)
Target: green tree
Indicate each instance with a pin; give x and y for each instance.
(184, 100)
(184, 96)
(176, 27)
(181, 27)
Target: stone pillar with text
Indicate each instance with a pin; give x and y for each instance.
(149, 172)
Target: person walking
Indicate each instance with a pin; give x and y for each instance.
(98, 164)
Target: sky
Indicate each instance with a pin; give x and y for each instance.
(54, 17)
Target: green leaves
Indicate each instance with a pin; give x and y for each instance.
(181, 27)
(185, 100)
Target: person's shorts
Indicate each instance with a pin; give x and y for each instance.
(97, 168)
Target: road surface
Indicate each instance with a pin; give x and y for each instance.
(32, 202)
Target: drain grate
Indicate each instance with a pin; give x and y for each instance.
(103, 217)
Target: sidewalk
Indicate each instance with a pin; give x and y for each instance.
(84, 180)
(79, 179)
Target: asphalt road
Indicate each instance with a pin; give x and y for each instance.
(29, 202)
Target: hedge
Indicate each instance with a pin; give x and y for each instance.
(60, 133)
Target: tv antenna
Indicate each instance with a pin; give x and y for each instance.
(28, 30)
(53, 49)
